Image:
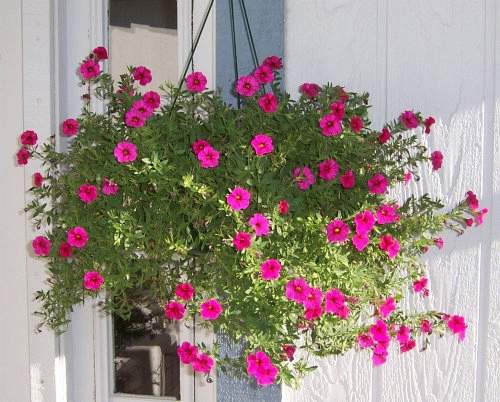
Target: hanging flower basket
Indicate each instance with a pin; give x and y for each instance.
(270, 223)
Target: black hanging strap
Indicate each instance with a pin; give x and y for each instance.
(248, 30)
(235, 54)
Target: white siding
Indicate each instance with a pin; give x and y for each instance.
(440, 58)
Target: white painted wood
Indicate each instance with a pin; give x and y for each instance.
(440, 58)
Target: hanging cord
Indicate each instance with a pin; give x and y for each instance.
(235, 54)
(192, 34)
(248, 30)
(191, 54)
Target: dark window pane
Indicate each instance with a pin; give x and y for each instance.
(155, 13)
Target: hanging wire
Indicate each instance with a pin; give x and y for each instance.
(192, 34)
(235, 54)
(248, 30)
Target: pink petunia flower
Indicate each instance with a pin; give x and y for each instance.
(196, 82)
(283, 207)
(23, 156)
(198, 146)
(264, 74)
(378, 184)
(260, 224)
(426, 326)
(270, 269)
(457, 325)
(184, 291)
(93, 280)
(480, 216)
(133, 118)
(408, 345)
(364, 221)
(303, 177)
(314, 296)
(309, 90)
(256, 362)
(390, 245)
(469, 222)
(420, 284)
(247, 85)
(387, 214)
(356, 124)
(37, 179)
(142, 74)
(242, 240)
(65, 250)
(152, 99)
(365, 341)
(436, 160)
(407, 177)
(337, 231)
(208, 157)
(29, 137)
(202, 363)
(267, 376)
(379, 331)
(333, 297)
(125, 152)
(77, 237)
(70, 127)
(268, 103)
(109, 187)
(289, 350)
(387, 307)
(187, 352)
(384, 136)
(87, 193)
(273, 62)
(262, 144)
(41, 246)
(100, 53)
(312, 311)
(238, 199)
(330, 125)
(428, 124)
(174, 310)
(360, 241)
(409, 119)
(348, 180)
(439, 242)
(328, 169)
(297, 290)
(379, 355)
(89, 69)
(338, 110)
(472, 201)
(210, 309)
(142, 107)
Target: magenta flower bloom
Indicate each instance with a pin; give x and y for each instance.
(37, 179)
(409, 119)
(87, 193)
(390, 245)
(273, 62)
(41, 246)
(210, 309)
(242, 240)
(360, 241)
(260, 224)
(333, 297)
(408, 345)
(457, 325)
(29, 137)
(297, 290)
(196, 82)
(109, 187)
(338, 110)
(365, 341)
(247, 85)
(356, 124)
(309, 90)
(403, 334)
(312, 311)
(387, 214)
(268, 103)
(23, 156)
(348, 180)
(364, 221)
(420, 284)
(270, 269)
(328, 169)
(65, 250)
(283, 207)
(428, 124)
(262, 144)
(267, 376)
(289, 350)
(198, 146)
(142, 74)
(472, 201)
(100, 53)
(142, 108)
(439, 242)
(187, 352)
(256, 362)
(152, 99)
(480, 216)
(330, 125)
(384, 136)
(379, 355)
(407, 177)
(133, 118)
(379, 332)
(125, 152)
(202, 363)
(77, 237)
(387, 307)
(208, 157)
(337, 231)
(93, 280)
(174, 310)
(89, 69)
(437, 160)
(184, 291)
(378, 184)
(238, 199)
(304, 177)
(70, 127)
(264, 74)
(314, 296)
(426, 326)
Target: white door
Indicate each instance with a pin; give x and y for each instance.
(106, 359)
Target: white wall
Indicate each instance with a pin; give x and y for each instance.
(440, 57)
